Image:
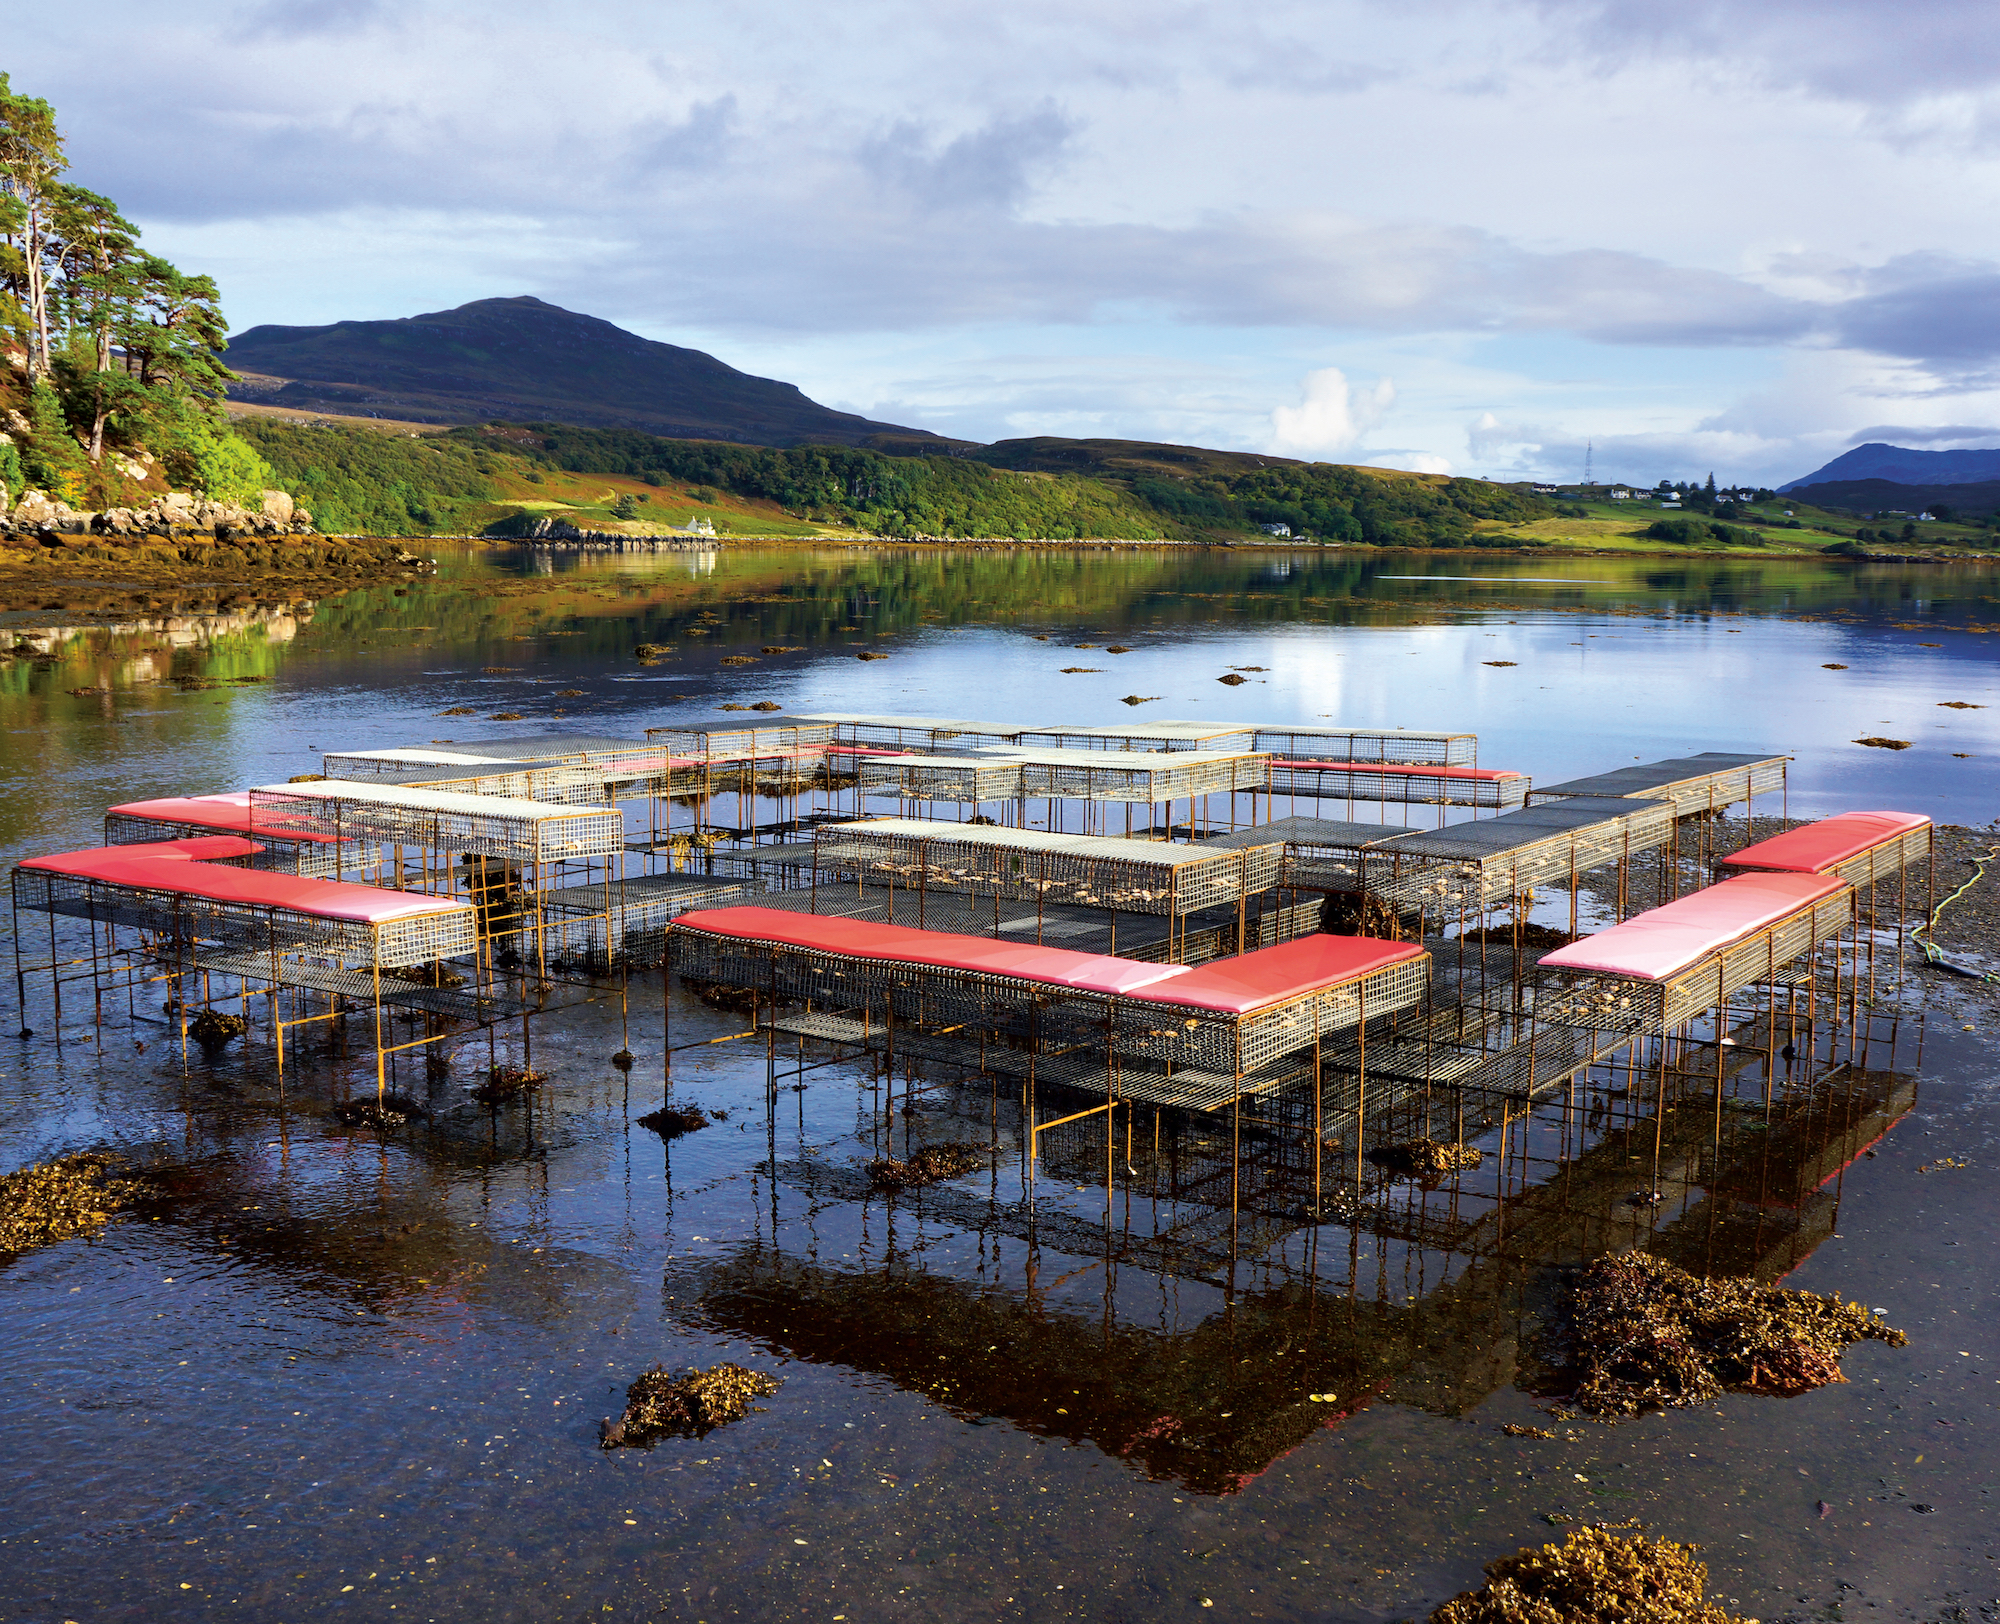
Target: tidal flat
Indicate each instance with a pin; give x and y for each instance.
(333, 1371)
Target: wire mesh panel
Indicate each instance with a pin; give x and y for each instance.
(1634, 1004)
(1476, 865)
(434, 820)
(912, 732)
(1704, 783)
(940, 778)
(1399, 785)
(1131, 876)
(1147, 776)
(1321, 854)
(434, 931)
(719, 744)
(1402, 746)
(1209, 736)
(399, 763)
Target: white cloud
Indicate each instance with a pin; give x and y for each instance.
(1333, 417)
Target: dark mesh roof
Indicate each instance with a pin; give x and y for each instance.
(1639, 778)
(1490, 837)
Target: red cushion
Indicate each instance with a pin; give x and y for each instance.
(1661, 943)
(174, 866)
(109, 862)
(1272, 975)
(1234, 986)
(1823, 845)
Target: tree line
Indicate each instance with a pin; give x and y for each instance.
(108, 348)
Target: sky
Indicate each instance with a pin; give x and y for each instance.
(1728, 236)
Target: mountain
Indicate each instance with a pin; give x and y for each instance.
(1905, 467)
(521, 359)
(1864, 496)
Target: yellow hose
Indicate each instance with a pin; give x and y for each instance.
(1931, 950)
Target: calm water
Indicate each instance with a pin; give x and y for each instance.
(333, 1375)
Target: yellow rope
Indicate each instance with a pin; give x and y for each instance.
(1931, 950)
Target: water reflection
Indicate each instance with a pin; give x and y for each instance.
(1200, 1343)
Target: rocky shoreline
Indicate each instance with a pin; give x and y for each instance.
(183, 543)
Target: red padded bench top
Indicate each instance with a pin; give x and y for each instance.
(1827, 843)
(1233, 986)
(177, 866)
(231, 811)
(1661, 943)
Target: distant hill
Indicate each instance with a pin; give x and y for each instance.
(1865, 496)
(520, 358)
(1121, 459)
(1904, 467)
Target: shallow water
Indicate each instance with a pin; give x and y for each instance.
(340, 1373)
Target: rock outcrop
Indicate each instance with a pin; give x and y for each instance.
(175, 514)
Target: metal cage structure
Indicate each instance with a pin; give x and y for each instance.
(286, 850)
(496, 826)
(1320, 854)
(1475, 866)
(1604, 1001)
(1706, 783)
(1396, 784)
(928, 987)
(1026, 865)
(1406, 747)
(430, 929)
(909, 733)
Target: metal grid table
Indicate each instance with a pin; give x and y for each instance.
(439, 821)
(1129, 876)
(1051, 1018)
(1494, 860)
(1401, 746)
(1321, 854)
(1395, 785)
(911, 732)
(1705, 783)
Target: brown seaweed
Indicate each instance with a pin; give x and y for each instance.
(51, 1201)
(931, 1165)
(1646, 1335)
(503, 1083)
(671, 1121)
(690, 1405)
(1426, 1158)
(390, 1110)
(1596, 1576)
(212, 1028)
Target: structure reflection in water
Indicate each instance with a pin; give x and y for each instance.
(1201, 1345)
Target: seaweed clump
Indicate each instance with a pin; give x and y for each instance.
(502, 1083)
(1595, 1576)
(51, 1201)
(1426, 1159)
(690, 1405)
(1647, 1335)
(671, 1121)
(436, 974)
(390, 1110)
(212, 1028)
(931, 1165)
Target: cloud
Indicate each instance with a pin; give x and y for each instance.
(1333, 417)
(308, 19)
(991, 167)
(1880, 52)
(1948, 434)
